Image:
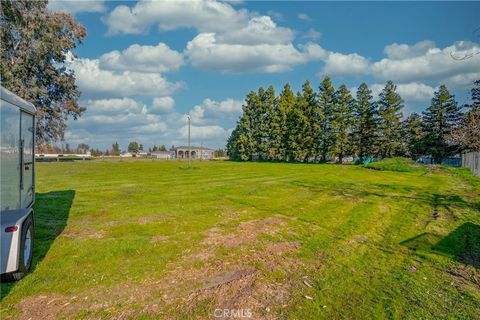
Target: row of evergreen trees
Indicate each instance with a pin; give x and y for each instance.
(331, 124)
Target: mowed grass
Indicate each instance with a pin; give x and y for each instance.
(149, 240)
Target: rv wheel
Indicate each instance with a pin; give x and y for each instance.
(26, 252)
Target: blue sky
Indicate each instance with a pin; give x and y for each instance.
(145, 65)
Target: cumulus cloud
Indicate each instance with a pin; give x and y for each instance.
(410, 92)
(427, 63)
(127, 119)
(312, 34)
(95, 81)
(201, 133)
(344, 64)
(229, 40)
(228, 108)
(77, 6)
(156, 59)
(403, 51)
(162, 105)
(304, 17)
(259, 30)
(456, 65)
(205, 16)
(205, 52)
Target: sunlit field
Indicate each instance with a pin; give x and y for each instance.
(151, 239)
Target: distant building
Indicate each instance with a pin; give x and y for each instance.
(126, 155)
(196, 152)
(161, 154)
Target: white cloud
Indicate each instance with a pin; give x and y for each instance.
(162, 105)
(204, 132)
(403, 51)
(229, 108)
(95, 81)
(456, 65)
(415, 91)
(205, 16)
(76, 6)
(259, 30)
(344, 64)
(156, 59)
(115, 105)
(410, 92)
(205, 52)
(312, 34)
(434, 64)
(304, 17)
(229, 40)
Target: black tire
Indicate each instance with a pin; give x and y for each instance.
(24, 262)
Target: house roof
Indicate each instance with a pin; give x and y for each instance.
(192, 147)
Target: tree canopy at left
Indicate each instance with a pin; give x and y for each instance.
(35, 44)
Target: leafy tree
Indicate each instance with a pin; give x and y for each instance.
(365, 125)
(115, 149)
(390, 105)
(467, 134)
(412, 135)
(133, 147)
(342, 121)
(140, 147)
(439, 119)
(83, 148)
(280, 130)
(219, 153)
(35, 44)
(67, 148)
(162, 148)
(324, 112)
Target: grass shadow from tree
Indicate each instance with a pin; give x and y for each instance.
(462, 244)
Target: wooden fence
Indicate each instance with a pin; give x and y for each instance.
(471, 160)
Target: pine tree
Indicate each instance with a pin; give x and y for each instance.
(264, 122)
(325, 110)
(439, 119)
(115, 149)
(280, 130)
(298, 129)
(342, 121)
(390, 105)
(232, 144)
(365, 125)
(245, 143)
(412, 135)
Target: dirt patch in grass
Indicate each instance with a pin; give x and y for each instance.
(84, 235)
(236, 277)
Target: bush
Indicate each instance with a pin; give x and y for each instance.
(394, 164)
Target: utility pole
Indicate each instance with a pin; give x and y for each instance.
(189, 152)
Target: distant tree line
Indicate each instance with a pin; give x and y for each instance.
(331, 124)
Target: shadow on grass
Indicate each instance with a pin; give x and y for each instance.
(51, 214)
(462, 244)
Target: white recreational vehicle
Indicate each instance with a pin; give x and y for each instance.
(17, 166)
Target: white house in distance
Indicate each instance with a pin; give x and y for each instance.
(196, 152)
(161, 155)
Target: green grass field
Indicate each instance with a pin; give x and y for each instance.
(155, 240)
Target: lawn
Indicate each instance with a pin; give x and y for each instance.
(150, 240)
